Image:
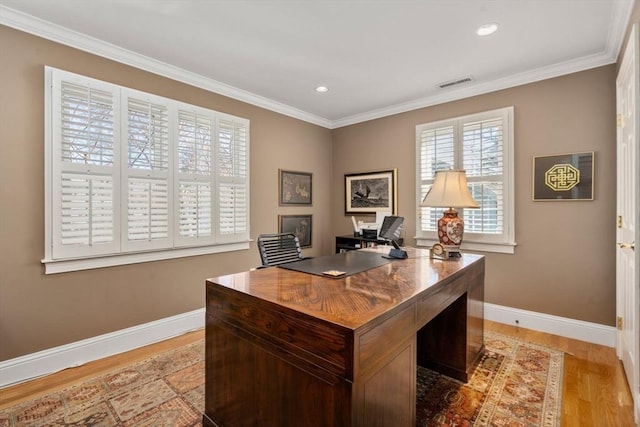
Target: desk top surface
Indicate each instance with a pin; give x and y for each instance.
(349, 301)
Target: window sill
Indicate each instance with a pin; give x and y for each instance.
(502, 248)
(63, 266)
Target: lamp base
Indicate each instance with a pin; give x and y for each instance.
(450, 229)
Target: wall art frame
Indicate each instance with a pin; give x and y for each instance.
(371, 192)
(564, 177)
(295, 188)
(300, 225)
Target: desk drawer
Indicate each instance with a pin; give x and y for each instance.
(313, 341)
(432, 305)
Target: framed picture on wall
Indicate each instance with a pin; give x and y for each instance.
(295, 188)
(563, 177)
(371, 192)
(300, 225)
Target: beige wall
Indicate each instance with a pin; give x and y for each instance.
(39, 312)
(559, 266)
(564, 263)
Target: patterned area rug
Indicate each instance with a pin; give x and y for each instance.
(166, 390)
(516, 384)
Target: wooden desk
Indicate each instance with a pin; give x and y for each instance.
(285, 348)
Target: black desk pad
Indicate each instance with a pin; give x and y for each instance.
(350, 262)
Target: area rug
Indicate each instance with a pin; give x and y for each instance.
(516, 384)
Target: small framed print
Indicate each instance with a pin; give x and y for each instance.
(371, 192)
(300, 225)
(563, 177)
(295, 188)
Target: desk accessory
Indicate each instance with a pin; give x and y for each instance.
(442, 252)
(390, 230)
(334, 273)
(397, 253)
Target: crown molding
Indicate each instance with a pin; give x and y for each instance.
(556, 70)
(620, 20)
(47, 30)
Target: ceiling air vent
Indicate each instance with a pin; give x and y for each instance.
(454, 82)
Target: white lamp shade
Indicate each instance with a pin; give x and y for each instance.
(449, 190)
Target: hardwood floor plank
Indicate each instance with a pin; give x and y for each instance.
(595, 391)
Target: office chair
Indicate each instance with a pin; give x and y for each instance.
(278, 249)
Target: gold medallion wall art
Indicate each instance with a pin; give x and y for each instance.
(563, 177)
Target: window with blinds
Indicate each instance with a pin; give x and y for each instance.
(130, 172)
(482, 145)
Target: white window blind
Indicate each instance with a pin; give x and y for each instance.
(129, 172)
(482, 145)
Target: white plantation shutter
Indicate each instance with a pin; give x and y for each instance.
(194, 143)
(146, 207)
(147, 135)
(195, 210)
(483, 160)
(233, 177)
(482, 145)
(195, 177)
(129, 173)
(436, 150)
(147, 210)
(84, 172)
(86, 211)
(86, 124)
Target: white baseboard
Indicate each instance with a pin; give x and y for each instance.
(577, 329)
(20, 369)
(45, 362)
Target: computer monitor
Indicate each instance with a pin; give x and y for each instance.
(391, 228)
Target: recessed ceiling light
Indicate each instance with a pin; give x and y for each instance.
(322, 89)
(486, 29)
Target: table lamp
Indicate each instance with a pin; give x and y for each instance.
(450, 190)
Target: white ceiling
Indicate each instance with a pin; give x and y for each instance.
(378, 57)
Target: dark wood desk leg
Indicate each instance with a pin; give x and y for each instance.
(453, 341)
(442, 343)
(475, 325)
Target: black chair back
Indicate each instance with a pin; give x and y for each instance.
(278, 249)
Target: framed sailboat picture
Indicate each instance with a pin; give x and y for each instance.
(371, 192)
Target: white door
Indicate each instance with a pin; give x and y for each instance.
(628, 221)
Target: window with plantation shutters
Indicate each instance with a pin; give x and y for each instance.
(133, 177)
(482, 145)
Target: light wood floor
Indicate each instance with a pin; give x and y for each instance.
(595, 392)
(594, 389)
